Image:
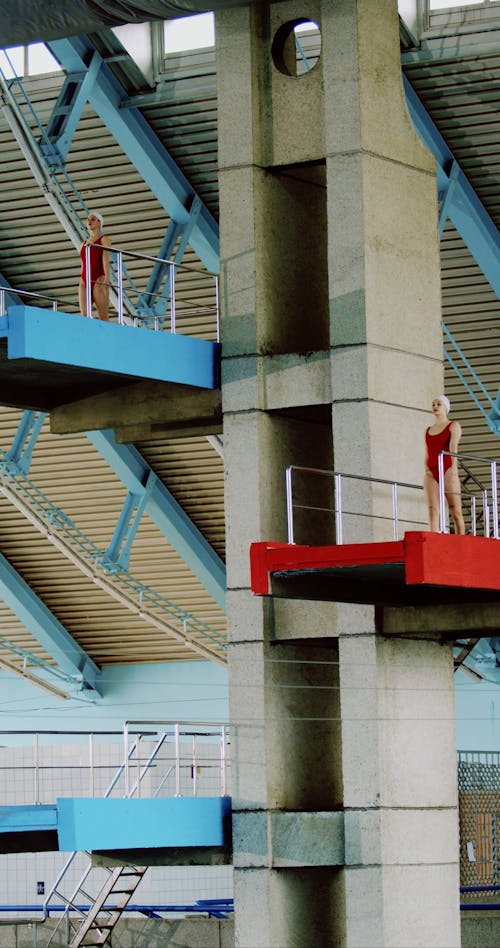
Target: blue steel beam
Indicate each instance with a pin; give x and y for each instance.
(165, 512)
(457, 196)
(143, 147)
(45, 628)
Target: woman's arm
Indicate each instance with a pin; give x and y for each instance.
(455, 435)
(106, 242)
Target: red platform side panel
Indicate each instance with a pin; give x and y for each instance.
(431, 559)
(443, 559)
(267, 558)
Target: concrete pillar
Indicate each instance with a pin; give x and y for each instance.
(331, 354)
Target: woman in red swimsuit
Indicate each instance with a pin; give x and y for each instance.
(443, 435)
(99, 267)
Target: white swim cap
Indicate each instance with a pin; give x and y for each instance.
(444, 401)
(99, 216)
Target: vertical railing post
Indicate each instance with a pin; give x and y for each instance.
(125, 760)
(172, 297)
(337, 478)
(36, 768)
(223, 762)
(494, 498)
(177, 761)
(217, 309)
(395, 526)
(91, 766)
(442, 506)
(2, 302)
(289, 504)
(194, 765)
(486, 514)
(473, 515)
(88, 284)
(119, 285)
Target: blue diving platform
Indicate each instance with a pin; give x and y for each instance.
(182, 825)
(49, 359)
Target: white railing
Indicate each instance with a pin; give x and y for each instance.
(4, 290)
(482, 502)
(147, 758)
(488, 497)
(336, 508)
(196, 303)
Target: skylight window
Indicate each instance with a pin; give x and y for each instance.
(32, 60)
(189, 32)
(448, 4)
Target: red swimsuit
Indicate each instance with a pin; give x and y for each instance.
(435, 444)
(96, 264)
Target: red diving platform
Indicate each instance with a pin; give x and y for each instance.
(422, 569)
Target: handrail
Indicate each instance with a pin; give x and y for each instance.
(337, 508)
(337, 479)
(144, 319)
(443, 528)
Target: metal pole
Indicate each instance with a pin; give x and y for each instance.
(172, 298)
(91, 765)
(473, 516)
(223, 762)
(125, 760)
(217, 309)
(88, 286)
(395, 510)
(119, 286)
(195, 768)
(338, 508)
(36, 765)
(442, 505)
(494, 498)
(289, 504)
(177, 762)
(486, 514)
(2, 302)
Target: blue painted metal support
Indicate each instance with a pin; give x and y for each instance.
(143, 147)
(458, 199)
(151, 299)
(67, 339)
(67, 111)
(45, 628)
(18, 457)
(117, 555)
(165, 512)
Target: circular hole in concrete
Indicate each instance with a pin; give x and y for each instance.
(296, 47)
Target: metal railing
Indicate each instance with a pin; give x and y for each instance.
(172, 313)
(39, 296)
(176, 759)
(482, 500)
(487, 507)
(337, 508)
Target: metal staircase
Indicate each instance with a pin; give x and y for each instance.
(96, 930)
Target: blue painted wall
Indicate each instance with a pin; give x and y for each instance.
(183, 691)
(477, 714)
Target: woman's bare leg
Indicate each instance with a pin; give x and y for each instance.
(454, 497)
(82, 294)
(431, 492)
(101, 297)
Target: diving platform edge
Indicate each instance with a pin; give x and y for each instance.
(51, 358)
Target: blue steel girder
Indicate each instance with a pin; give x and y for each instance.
(165, 512)
(458, 199)
(143, 147)
(67, 111)
(18, 457)
(46, 629)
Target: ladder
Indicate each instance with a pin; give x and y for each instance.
(122, 882)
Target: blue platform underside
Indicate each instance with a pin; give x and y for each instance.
(85, 823)
(70, 340)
